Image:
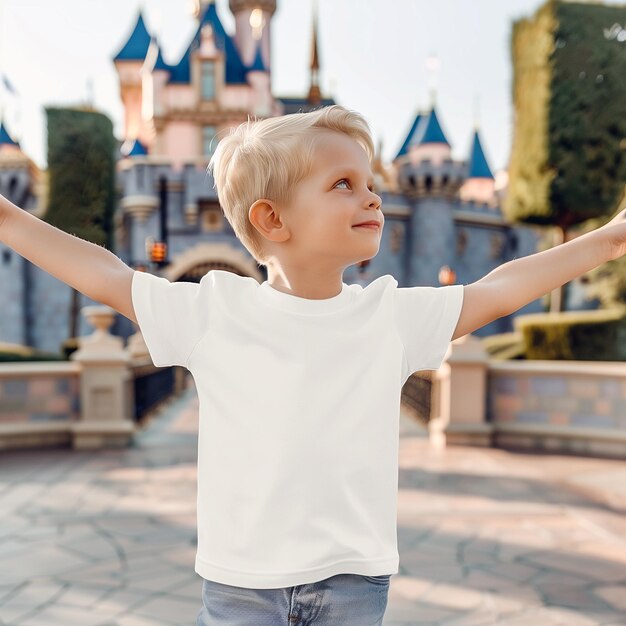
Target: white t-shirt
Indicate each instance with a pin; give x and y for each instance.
(299, 405)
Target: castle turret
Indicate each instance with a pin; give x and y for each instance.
(128, 63)
(429, 141)
(424, 165)
(252, 20)
(480, 183)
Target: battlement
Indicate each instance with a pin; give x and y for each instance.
(431, 179)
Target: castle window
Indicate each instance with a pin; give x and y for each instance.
(461, 242)
(12, 188)
(208, 80)
(211, 216)
(208, 140)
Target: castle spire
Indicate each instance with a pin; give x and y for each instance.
(432, 66)
(429, 130)
(478, 166)
(476, 111)
(315, 94)
(136, 47)
(479, 185)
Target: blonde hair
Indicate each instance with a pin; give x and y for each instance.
(268, 158)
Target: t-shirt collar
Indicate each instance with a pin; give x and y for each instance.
(296, 304)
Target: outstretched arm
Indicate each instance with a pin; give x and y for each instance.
(516, 283)
(85, 266)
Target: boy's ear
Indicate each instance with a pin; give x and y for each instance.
(265, 217)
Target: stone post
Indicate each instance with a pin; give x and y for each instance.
(459, 396)
(106, 385)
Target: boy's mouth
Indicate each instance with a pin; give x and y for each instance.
(371, 224)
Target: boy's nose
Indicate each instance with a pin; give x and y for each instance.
(375, 200)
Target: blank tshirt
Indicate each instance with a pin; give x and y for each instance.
(299, 405)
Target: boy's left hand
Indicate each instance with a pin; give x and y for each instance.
(615, 233)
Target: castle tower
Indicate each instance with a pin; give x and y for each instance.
(430, 179)
(252, 24)
(424, 164)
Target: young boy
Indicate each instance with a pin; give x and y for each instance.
(299, 377)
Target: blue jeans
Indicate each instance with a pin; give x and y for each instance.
(341, 600)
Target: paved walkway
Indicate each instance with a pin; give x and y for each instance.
(487, 537)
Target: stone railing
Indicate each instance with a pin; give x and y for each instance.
(561, 406)
(87, 402)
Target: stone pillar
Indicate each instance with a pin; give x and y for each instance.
(459, 396)
(106, 385)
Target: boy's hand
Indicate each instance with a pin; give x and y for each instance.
(615, 233)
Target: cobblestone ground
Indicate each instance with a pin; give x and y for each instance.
(487, 537)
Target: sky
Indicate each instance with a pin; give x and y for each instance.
(382, 58)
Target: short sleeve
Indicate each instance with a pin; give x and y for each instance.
(427, 318)
(172, 316)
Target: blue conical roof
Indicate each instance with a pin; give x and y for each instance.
(235, 72)
(478, 166)
(136, 149)
(429, 131)
(409, 137)
(137, 45)
(5, 138)
(257, 64)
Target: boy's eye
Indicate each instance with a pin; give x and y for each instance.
(345, 180)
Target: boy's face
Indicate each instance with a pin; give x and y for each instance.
(319, 225)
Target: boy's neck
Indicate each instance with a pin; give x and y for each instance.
(310, 286)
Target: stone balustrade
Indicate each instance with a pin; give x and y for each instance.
(561, 406)
(87, 402)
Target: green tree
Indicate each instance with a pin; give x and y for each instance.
(567, 163)
(81, 172)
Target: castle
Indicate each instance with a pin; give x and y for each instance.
(443, 219)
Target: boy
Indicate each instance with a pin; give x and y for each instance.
(299, 377)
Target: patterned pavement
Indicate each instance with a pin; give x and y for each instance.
(487, 537)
